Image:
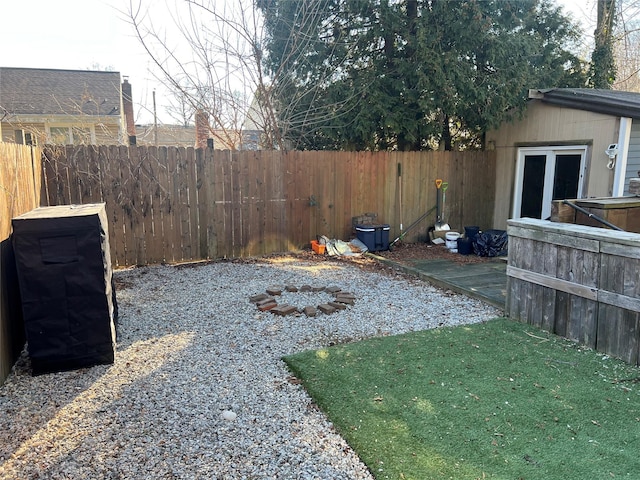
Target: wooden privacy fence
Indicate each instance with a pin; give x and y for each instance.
(577, 281)
(20, 179)
(179, 204)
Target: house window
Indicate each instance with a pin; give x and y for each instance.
(544, 174)
(70, 135)
(60, 135)
(30, 139)
(81, 136)
(25, 138)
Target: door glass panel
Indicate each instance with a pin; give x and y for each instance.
(567, 176)
(533, 186)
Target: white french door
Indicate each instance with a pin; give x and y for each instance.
(544, 174)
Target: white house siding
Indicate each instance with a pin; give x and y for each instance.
(9, 131)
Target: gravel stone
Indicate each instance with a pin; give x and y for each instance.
(193, 351)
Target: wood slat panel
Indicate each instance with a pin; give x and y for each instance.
(259, 202)
(202, 202)
(106, 194)
(360, 184)
(324, 190)
(512, 301)
(135, 212)
(291, 225)
(192, 204)
(537, 292)
(57, 178)
(175, 222)
(145, 238)
(590, 296)
(153, 194)
(618, 331)
(46, 192)
(563, 298)
(549, 258)
(165, 208)
(113, 200)
(208, 195)
(313, 195)
(20, 191)
(127, 201)
(218, 207)
(94, 174)
(78, 164)
(303, 234)
(280, 199)
(182, 197)
(237, 208)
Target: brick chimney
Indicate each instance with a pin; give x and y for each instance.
(202, 129)
(127, 106)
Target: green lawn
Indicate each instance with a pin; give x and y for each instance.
(498, 400)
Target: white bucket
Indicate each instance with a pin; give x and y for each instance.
(451, 240)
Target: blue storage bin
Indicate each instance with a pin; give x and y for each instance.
(375, 237)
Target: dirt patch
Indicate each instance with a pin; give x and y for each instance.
(403, 253)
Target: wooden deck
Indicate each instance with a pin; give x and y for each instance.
(485, 281)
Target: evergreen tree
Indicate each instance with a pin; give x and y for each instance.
(410, 74)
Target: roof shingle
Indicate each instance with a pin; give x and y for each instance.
(36, 91)
(610, 102)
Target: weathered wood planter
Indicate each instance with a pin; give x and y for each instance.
(580, 282)
(623, 212)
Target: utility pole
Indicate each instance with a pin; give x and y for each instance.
(155, 120)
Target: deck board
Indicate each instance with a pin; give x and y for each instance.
(485, 281)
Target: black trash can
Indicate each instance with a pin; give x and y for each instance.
(375, 237)
(465, 246)
(471, 232)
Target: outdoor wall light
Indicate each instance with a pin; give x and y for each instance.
(612, 153)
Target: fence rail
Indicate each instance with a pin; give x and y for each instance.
(171, 204)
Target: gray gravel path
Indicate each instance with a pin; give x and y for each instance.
(191, 349)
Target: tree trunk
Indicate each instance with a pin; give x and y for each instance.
(445, 139)
(603, 71)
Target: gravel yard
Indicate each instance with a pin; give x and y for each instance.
(191, 349)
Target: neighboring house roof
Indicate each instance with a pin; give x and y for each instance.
(609, 102)
(168, 135)
(178, 135)
(39, 91)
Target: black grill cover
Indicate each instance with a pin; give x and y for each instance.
(65, 277)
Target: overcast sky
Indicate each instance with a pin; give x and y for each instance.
(92, 34)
